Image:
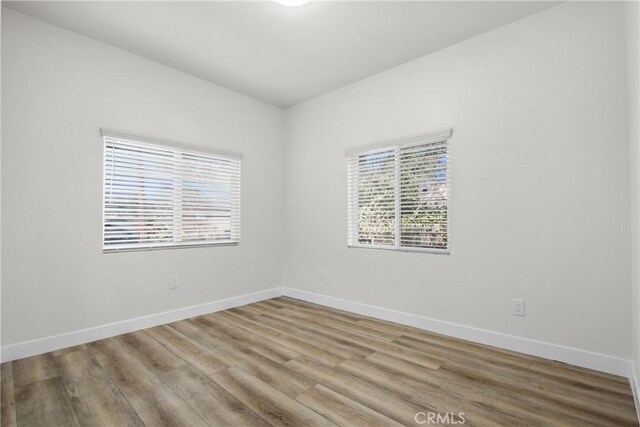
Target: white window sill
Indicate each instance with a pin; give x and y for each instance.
(403, 249)
(111, 250)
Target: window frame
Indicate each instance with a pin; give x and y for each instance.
(177, 148)
(439, 136)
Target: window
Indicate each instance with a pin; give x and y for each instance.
(161, 196)
(398, 194)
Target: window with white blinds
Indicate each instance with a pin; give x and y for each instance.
(398, 194)
(161, 196)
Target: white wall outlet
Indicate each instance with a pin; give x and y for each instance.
(322, 275)
(173, 284)
(517, 307)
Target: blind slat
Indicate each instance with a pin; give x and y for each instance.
(163, 196)
(398, 194)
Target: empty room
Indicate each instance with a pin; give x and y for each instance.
(319, 213)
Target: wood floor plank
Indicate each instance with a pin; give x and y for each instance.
(7, 396)
(358, 390)
(278, 354)
(422, 357)
(582, 377)
(154, 402)
(577, 370)
(62, 351)
(213, 341)
(184, 326)
(263, 308)
(214, 404)
(537, 381)
(341, 347)
(272, 373)
(407, 369)
(323, 311)
(341, 410)
(480, 350)
(34, 369)
(456, 351)
(289, 362)
(320, 308)
(349, 325)
(282, 338)
(474, 391)
(153, 354)
(274, 406)
(192, 352)
(601, 405)
(422, 394)
(450, 344)
(44, 403)
(245, 310)
(546, 412)
(275, 303)
(95, 399)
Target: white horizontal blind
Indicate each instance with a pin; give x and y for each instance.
(161, 196)
(398, 194)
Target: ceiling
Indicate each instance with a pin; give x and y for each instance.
(278, 54)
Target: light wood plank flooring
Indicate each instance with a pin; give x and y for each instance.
(285, 362)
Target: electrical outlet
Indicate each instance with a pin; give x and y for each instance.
(322, 275)
(173, 284)
(517, 307)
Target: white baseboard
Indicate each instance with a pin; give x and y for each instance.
(573, 356)
(586, 359)
(634, 381)
(83, 336)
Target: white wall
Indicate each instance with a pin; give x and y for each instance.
(59, 88)
(0, 185)
(632, 15)
(540, 202)
(540, 182)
